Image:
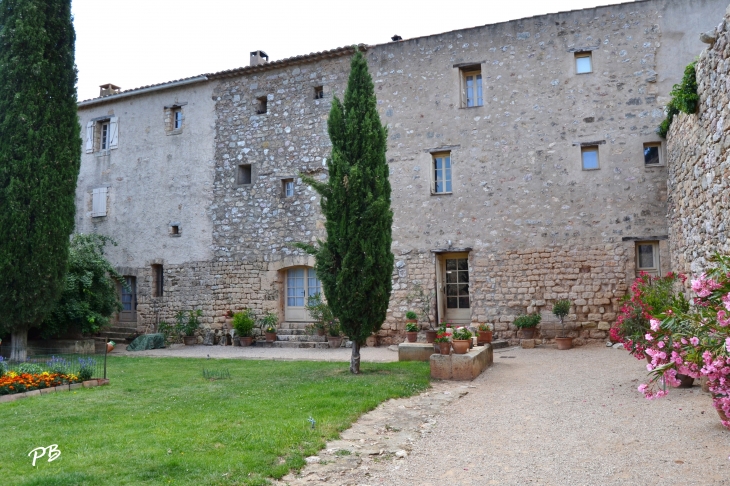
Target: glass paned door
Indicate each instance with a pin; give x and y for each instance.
(455, 300)
(301, 284)
(129, 300)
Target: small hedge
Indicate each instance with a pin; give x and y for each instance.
(684, 99)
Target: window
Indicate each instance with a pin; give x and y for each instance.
(177, 119)
(457, 283)
(583, 63)
(244, 174)
(653, 154)
(647, 257)
(589, 156)
(471, 80)
(98, 202)
(318, 92)
(261, 105)
(102, 135)
(287, 187)
(301, 285)
(441, 173)
(158, 281)
(175, 229)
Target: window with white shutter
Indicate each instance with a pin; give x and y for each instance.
(90, 137)
(98, 202)
(113, 132)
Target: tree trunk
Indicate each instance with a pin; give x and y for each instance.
(18, 345)
(355, 359)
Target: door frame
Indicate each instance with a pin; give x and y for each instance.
(441, 258)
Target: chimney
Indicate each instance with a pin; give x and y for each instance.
(108, 89)
(258, 57)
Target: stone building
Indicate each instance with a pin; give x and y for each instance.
(524, 161)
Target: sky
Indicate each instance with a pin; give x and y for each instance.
(133, 43)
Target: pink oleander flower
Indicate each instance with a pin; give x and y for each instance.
(703, 286)
(723, 318)
(727, 344)
(660, 344)
(694, 341)
(648, 337)
(726, 301)
(655, 324)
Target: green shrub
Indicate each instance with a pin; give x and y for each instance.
(527, 320)
(410, 315)
(269, 321)
(187, 324)
(244, 322)
(684, 99)
(30, 368)
(411, 327)
(319, 311)
(462, 333)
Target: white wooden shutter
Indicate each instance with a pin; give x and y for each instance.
(90, 137)
(98, 202)
(113, 132)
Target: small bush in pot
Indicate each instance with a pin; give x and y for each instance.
(334, 334)
(461, 339)
(485, 333)
(269, 321)
(442, 341)
(411, 332)
(243, 323)
(561, 308)
(186, 323)
(528, 323)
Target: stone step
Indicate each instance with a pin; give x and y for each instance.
(293, 325)
(300, 338)
(292, 332)
(500, 343)
(292, 344)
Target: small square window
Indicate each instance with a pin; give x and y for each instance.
(583, 63)
(653, 154)
(261, 105)
(318, 92)
(647, 257)
(589, 156)
(287, 187)
(177, 119)
(471, 87)
(244, 174)
(174, 230)
(441, 170)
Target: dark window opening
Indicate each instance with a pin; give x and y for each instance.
(157, 281)
(261, 107)
(175, 230)
(318, 93)
(244, 174)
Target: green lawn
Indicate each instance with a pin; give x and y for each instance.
(161, 422)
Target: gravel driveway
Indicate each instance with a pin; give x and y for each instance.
(549, 417)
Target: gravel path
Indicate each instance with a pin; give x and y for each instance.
(541, 417)
(372, 355)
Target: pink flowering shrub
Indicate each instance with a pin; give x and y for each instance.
(650, 296)
(694, 341)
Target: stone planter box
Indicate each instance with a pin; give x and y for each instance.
(462, 366)
(415, 351)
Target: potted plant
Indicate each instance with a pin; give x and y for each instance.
(411, 327)
(243, 323)
(461, 340)
(485, 334)
(442, 342)
(268, 323)
(187, 324)
(528, 323)
(110, 346)
(561, 309)
(320, 312)
(334, 336)
(424, 301)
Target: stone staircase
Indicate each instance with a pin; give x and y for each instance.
(294, 335)
(118, 333)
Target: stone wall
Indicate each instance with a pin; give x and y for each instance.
(699, 169)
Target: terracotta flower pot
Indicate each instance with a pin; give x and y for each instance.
(412, 336)
(320, 332)
(444, 348)
(430, 336)
(270, 337)
(189, 340)
(485, 337)
(334, 341)
(246, 340)
(109, 347)
(461, 346)
(528, 332)
(564, 342)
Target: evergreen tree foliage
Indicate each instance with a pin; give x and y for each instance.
(90, 294)
(40, 151)
(355, 263)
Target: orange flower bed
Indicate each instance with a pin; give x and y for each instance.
(13, 382)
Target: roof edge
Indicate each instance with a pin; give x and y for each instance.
(142, 90)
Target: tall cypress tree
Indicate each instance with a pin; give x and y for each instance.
(355, 263)
(40, 152)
